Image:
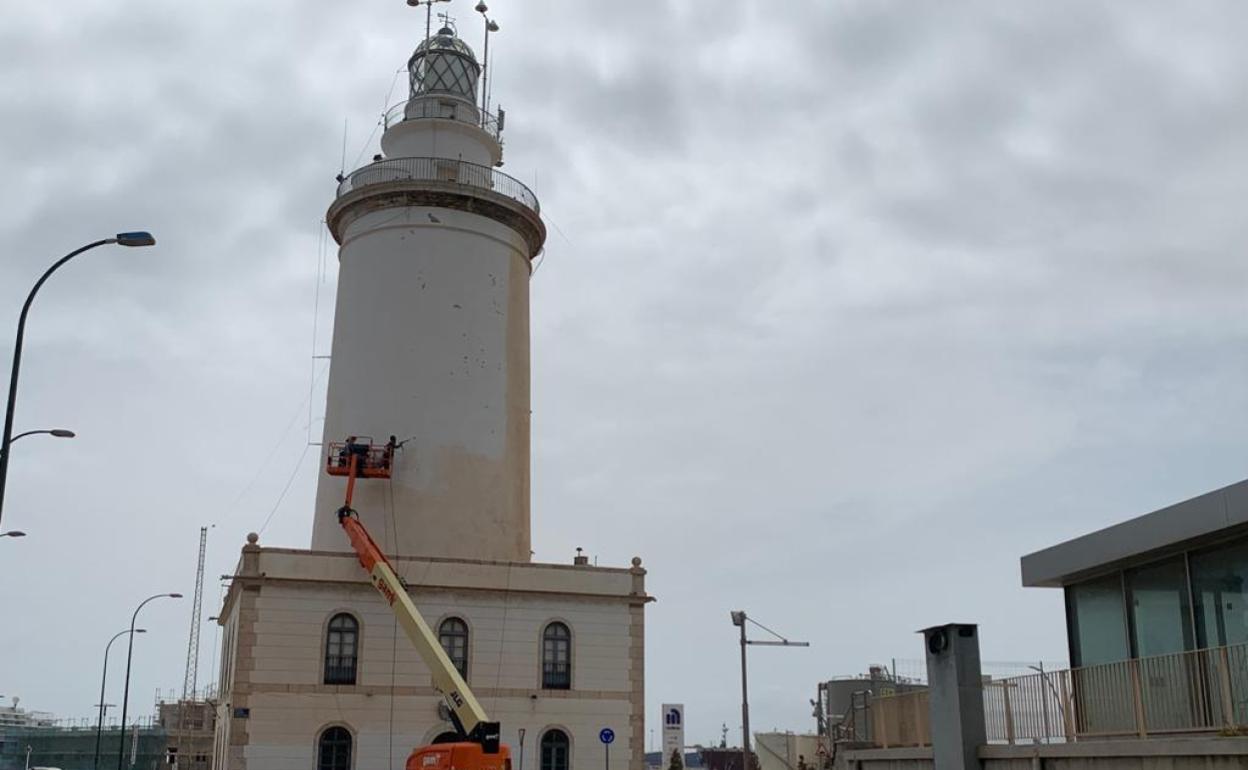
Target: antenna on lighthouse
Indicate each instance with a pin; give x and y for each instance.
(428, 13)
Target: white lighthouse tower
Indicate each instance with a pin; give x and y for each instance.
(431, 345)
(431, 336)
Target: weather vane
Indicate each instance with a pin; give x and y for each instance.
(428, 13)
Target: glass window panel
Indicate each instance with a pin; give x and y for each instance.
(1220, 587)
(554, 750)
(453, 634)
(340, 645)
(557, 657)
(334, 751)
(1160, 613)
(1098, 622)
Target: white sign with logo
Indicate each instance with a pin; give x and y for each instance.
(673, 731)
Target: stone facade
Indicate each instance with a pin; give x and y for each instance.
(275, 706)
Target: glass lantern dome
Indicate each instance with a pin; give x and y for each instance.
(444, 64)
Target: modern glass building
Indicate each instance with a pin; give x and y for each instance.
(1167, 582)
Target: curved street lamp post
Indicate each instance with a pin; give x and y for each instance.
(99, 725)
(125, 698)
(121, 239)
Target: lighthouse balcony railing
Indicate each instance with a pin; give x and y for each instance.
(439, 170)
(445, 109)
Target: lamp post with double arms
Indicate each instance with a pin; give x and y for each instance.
(121, 239)
(125, 697)
(99, 725)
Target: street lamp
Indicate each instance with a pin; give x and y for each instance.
(121, 239)
(99, 725)
(490, 26)
(739, 619)
(14, 533)
(125, 698)
(57, 432)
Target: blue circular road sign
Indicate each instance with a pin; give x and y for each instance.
(607, 735)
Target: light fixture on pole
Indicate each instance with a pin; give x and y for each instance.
(55, 432)
(739, 619)
(490, 26)
(121, 239)
(99, 724)
(125, 697)
(14, 533)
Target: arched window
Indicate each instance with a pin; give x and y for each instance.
(333, 750)
(557, 657)
(555, 749)
(453, 634)
(341, 649)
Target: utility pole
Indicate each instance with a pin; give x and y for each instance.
(739, 619)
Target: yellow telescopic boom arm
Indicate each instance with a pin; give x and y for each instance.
(466, 711)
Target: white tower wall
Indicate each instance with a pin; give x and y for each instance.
(431, 344)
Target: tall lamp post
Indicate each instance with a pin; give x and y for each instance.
(121, 239)
(125, 698)
(99, 725)
(490, 26)
(739, 619)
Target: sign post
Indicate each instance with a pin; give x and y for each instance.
(606, 735)
(673, 732)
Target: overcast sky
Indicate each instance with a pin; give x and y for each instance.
(845, 307)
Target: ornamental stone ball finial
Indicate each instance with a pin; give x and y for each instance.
(636, 561)
(252, 538)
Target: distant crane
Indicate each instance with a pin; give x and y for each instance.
(197, 606)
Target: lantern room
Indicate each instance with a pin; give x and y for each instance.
(444, 64)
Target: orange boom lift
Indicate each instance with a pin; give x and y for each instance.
(478, 747)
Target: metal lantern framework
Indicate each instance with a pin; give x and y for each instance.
(444, 64)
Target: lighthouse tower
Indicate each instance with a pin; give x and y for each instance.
(431, 333)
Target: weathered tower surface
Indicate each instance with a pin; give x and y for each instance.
(431, 334)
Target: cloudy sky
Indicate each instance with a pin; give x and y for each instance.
(845, 307)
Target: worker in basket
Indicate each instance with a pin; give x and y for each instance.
(353, 447)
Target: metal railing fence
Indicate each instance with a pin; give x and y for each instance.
(1200, 691)
(440, 170)
(445, 109)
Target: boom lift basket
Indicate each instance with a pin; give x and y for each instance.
(374, 461)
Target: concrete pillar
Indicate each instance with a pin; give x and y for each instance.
(956, 695)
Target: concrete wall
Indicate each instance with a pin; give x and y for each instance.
(281, 617)
(1151, 754)
(785, 751)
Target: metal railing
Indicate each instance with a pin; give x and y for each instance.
(1201, 691)
(440, 170)
(445, 109)
(556, 676)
